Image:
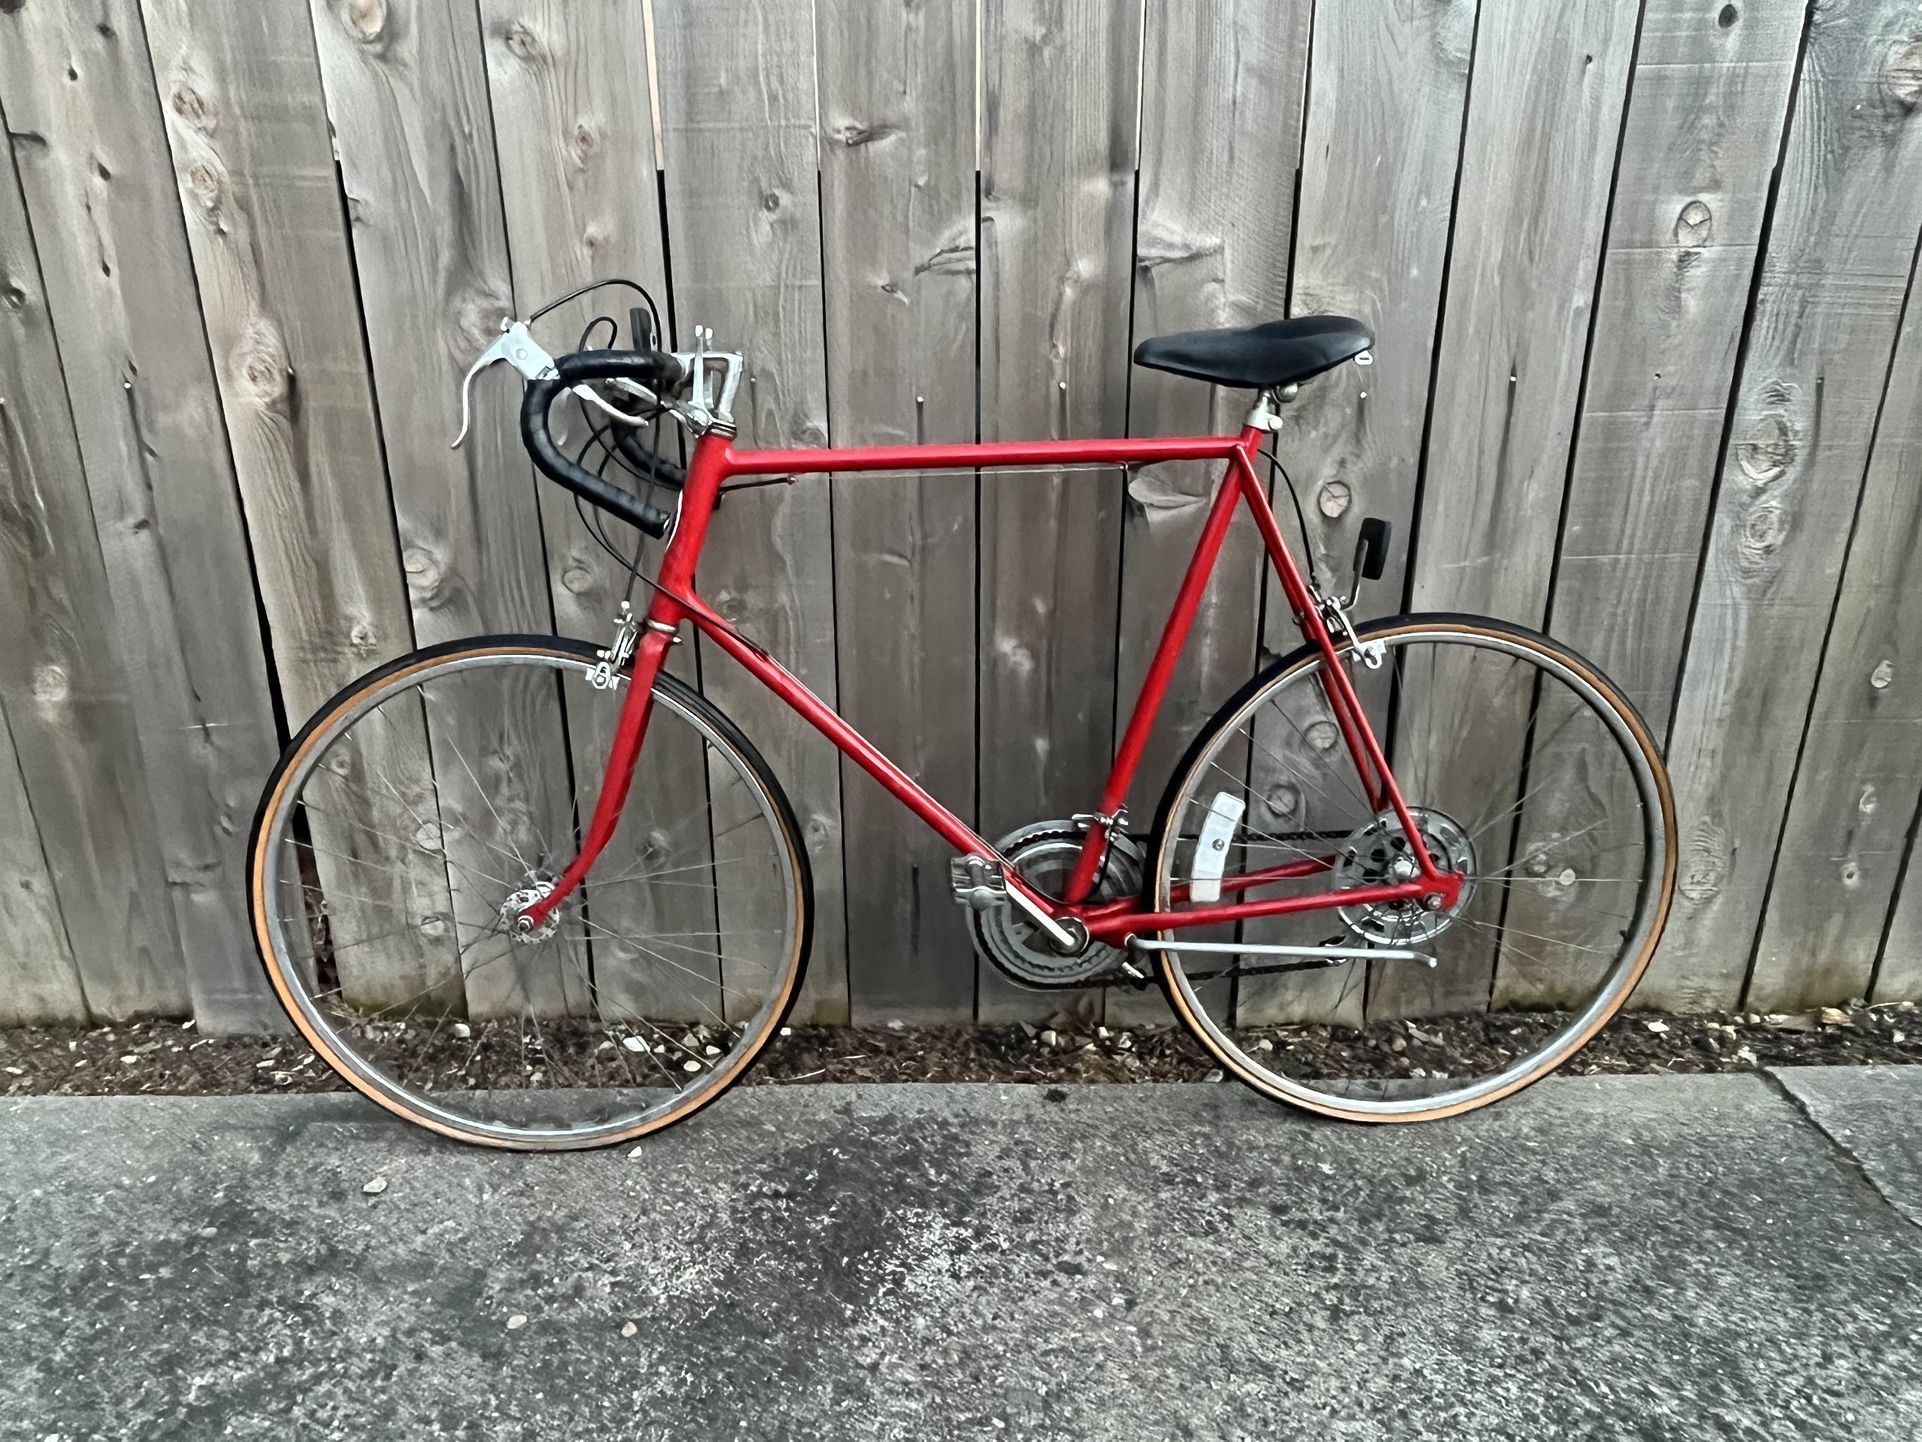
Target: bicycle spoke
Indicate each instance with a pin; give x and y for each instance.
(1478, 737)
(591, 1026)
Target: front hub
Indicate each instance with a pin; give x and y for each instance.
(518, 923)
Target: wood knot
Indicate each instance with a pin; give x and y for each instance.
(1728, 16)
(1335, 498)
(1694, 225)
(13, 297)
(584, 140)
(12, 7)
(853, 134)
(1883, 674)
(193, 107)
(522, 43)
(50, 684)
(1769, 450)
(1012, 657)
(1905, 77)
(261, 362)
(1763, 532)
(578, 577)
(362, 637)
(426, 576)
(770, 201)
(366, 19)
(1705, 863)
(204, 183)
(1283, 800)
(1321, 735)
(478, 311)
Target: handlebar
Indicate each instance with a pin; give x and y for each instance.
(658, 371)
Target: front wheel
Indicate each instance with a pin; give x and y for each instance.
(430, 802)
(1525, 771)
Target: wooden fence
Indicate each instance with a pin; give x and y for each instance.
(1647, 374)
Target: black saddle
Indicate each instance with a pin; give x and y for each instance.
(1275, 353)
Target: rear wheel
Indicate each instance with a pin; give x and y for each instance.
(1524, 770)
(427, 804)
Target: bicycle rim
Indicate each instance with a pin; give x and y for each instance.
(1526, 771)
(427, 803)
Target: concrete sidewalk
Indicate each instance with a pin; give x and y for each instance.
(1650, 1257)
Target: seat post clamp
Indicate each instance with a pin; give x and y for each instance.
(1265, 414)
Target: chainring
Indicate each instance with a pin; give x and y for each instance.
(1045, 853)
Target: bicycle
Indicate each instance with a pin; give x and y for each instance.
(479, 944)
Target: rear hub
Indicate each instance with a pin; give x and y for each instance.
(1379, 854)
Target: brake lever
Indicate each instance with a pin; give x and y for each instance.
(517, 346)
(593, 397)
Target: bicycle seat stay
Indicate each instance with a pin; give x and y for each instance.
(1274, 353)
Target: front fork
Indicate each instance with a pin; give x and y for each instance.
(650, 654)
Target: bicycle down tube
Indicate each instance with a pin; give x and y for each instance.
(675, 601)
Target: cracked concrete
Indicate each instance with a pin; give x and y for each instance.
(1656, 1257)
(1873, 1116)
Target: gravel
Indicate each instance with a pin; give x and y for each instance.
(165, 1057)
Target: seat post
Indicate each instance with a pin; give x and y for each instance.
(1265, 414)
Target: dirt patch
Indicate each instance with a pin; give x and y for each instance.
(169, 1058)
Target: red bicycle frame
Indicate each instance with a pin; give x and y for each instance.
(675, 601)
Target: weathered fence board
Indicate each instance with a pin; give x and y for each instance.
(1220, 140)
(897, 246)
(1537, 169)
(1379, 159)
(1681, 253)
(76, 83)
(1857, 780)
(1840, 250)
(738, 126)
(1898, 971)
(265, 227)
(573, 125)
(38, 979)
(407, 98)
(1655, 410)
(61, 681)
(1060, 105)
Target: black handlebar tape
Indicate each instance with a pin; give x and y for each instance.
(652, 368)
(548, 458)
(628, 442)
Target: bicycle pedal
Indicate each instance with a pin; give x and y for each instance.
(978, 882)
